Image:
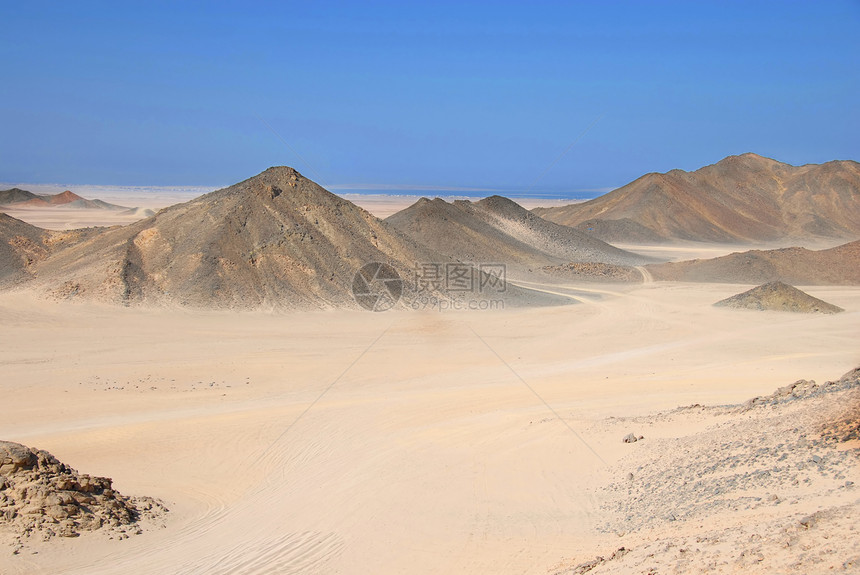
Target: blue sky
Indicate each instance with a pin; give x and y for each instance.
(482, 95)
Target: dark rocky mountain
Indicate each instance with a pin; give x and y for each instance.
(746, 198)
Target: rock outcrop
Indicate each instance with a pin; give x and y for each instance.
(42, 497)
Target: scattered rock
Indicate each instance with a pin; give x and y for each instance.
(803, 388)
(595, 271)
(632, 438)
(589, 566)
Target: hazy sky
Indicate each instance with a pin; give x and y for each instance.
(459, 94)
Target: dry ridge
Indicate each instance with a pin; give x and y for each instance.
(834, 266)
(739, 199)
(276, 240)
(777, 296)
(18, 198)
(496, 229)
(41, 497)
(22, 246)
(769, 486)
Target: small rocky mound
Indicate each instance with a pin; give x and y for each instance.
(777, 296)
(41, 496)
(595, 271)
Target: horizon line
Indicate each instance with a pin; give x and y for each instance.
(417, 190)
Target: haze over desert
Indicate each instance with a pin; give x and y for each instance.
(428, 288)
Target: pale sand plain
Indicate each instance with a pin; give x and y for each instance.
(430, 453)
(60, 218)
(355, 442)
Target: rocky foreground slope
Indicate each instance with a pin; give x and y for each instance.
(42, 498)
(769, 486)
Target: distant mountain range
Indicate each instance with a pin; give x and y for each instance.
(279, 240)
(18, 198)
(746, 198)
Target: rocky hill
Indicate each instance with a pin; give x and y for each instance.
(274, 240)
(497, 229)
(22, 246)
(777, 296)
(746, 198)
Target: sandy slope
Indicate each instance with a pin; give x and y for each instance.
(428, 455)
(768, 486)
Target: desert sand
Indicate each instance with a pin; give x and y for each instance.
(69, 219)
(359, 442)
